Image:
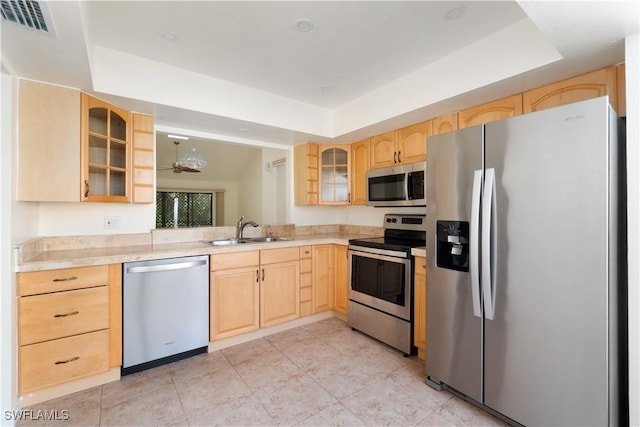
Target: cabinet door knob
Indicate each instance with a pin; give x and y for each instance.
(263, 274)
(86, 188)
(257, 276)
(395, 157)
(399, 158)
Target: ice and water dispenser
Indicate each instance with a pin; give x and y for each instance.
(452, 245)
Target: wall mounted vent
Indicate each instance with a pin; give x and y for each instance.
(29, 13)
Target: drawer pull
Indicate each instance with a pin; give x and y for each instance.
(73, 313)
(66, 279)
(62, 362)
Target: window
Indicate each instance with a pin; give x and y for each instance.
(193, 210)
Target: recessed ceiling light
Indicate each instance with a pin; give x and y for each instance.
(170, 37)
(454, 13)
(304, 25)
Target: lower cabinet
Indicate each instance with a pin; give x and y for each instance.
(306, 281)
(420, 306)
(341, 293)
(234, 302)
(323, 277)
(69, 324)
(254, 289)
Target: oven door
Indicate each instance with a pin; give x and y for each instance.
(381, 281)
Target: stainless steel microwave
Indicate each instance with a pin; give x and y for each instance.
(401, 185)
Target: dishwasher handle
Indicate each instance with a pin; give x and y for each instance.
(166, 267)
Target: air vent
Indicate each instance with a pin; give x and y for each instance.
(31, 14)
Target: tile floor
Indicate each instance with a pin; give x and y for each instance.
(314, 375)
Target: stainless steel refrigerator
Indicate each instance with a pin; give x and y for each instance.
(526, 266)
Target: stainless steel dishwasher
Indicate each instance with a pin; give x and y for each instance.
(165, 311)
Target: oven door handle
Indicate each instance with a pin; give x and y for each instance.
(474, 243)
(395, 259)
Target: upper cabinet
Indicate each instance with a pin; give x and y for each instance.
(384, 150)
(143, 177)
(305, 183)
(49, 143)
(446, 123)
(412, 142)
(491, 111)
(406, 145)
(334, 168)
(106, 151)
(359, 168)
(73, 147)
(586, 86)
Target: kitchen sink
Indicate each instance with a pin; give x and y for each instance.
(227, 242)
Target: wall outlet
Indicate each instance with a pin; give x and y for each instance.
(111, 222)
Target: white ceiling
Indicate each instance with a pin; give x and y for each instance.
(240, 71)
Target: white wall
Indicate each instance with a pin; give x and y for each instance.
(16, 224)
(632, 64)
(250, 196)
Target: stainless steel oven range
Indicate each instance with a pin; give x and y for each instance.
(381, 281)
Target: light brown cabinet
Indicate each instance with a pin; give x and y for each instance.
(69, 324)
(586, 86)
(143, 173)
(105, 151)
(48, 167)
(305, 183)
(334, 172)
(359, 167)
(420, 306)
(323, 277)
(412, 142)
(306, 281)
(384, 150)
(234, 295)
(253, 289)
(491, 111)
(73, 147)
(341, 292)
(279, 286)
(444, 124)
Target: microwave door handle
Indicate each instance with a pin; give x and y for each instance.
(407, 180)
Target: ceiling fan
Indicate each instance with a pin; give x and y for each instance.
(186, 164)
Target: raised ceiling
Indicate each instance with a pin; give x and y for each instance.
(241, 70)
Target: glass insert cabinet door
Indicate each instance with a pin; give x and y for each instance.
(335, 174)
(105, 151)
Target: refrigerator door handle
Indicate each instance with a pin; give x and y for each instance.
(488, 235)
(474, 243)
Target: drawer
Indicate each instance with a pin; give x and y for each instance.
(305, 252)
(306, 294)
(234, 260)
(54, 362)
(305, 279)
(40, 282)
(272, 256)
(305, 265)
(61, 314)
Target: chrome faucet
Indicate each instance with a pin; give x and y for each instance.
(242, 225)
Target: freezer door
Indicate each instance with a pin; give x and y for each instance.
(546, 354)
(454, 333)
